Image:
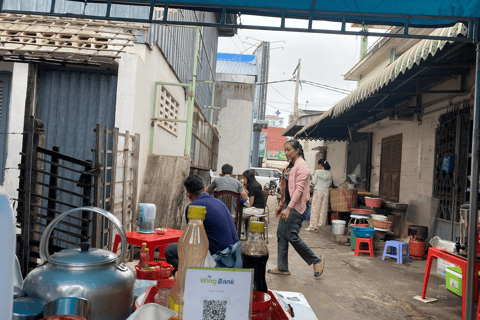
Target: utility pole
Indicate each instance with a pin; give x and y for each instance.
(297, 87)
(260, 122)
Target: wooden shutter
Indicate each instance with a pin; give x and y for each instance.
(390, 168)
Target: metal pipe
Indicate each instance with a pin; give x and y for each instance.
(472, 219)
(187, 24)
(191, 97)
(155, 92)
(152, 125)
(213, 103)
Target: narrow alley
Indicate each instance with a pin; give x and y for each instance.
(359, 287)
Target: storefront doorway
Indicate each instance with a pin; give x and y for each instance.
(390, 168)
(452, 137)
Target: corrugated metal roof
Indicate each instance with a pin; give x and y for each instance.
(235, 67)
(417, 53)
(414, 56)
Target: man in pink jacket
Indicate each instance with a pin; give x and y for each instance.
(295, 187)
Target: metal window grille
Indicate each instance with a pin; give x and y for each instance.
(167, 107)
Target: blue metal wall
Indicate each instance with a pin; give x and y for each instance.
(71, 103)
(176, 43)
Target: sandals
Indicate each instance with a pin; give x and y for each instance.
(318, 267)
(311, 229)
(278, 271)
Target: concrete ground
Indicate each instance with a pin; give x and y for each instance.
(360, 287)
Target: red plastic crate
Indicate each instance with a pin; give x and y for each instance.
(279, 313)
(152, 291)
(165, 272)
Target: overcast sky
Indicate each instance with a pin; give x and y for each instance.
(325, 59)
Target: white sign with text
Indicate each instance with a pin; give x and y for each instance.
(213, 293)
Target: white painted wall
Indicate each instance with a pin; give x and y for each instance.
(312, 156)
(138, 70)
(337, 158)
(236, 133)
(418, 144)
(15, 124)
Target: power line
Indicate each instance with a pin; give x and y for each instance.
(241, 43)
(324, 85)
(239, 50)
(280, 93)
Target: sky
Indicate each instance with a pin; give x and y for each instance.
(325, 59)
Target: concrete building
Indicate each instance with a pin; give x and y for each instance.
(234, 95)
(131, 76)
(407, 117)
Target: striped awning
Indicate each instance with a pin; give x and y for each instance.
(414, 56)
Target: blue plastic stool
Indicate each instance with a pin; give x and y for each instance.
(396, 251)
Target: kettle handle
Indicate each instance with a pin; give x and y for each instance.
(45, 256)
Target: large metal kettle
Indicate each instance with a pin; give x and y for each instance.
(94, 274)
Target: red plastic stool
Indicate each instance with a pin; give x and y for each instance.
(369, 241)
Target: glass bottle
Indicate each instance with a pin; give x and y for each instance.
(255, 256)
(192, 251)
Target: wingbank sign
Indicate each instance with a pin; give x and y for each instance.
(210, 280)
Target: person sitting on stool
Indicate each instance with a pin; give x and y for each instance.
(224, 245)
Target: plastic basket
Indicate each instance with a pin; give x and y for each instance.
(363, 232)
(342, 200)
(152, 291)
(381, 224)
(373, 202)
(360, 211)
(278, 313)
(165, 272)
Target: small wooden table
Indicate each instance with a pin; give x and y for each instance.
(456, 260)
(153, 241)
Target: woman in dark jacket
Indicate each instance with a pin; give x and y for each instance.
(256, 197)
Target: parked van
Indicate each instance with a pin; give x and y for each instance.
(265, 175)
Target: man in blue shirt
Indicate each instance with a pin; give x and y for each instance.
(224, 245)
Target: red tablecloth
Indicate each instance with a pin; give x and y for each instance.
(153, 241)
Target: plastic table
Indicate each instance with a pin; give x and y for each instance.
(153, 241)
(456, 260)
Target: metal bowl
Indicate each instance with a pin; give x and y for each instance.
(395, 206)
(27, 308)
(68, 306)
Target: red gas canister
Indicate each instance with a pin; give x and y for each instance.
(416, 249)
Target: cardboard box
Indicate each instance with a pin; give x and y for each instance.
(442, 266)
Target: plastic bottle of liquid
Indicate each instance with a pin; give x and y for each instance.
(192, 251)
(144, 259)
(255, 256)
(163, 293)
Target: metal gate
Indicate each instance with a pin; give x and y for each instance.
(71, 102)
(452, 137)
